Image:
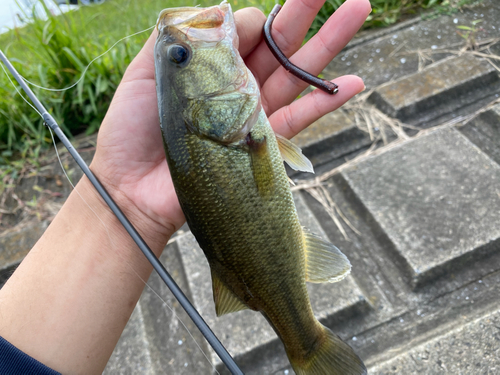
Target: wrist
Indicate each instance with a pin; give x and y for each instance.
(98, 212)
(78, 285)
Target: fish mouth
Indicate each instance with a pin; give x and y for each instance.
(198, 24)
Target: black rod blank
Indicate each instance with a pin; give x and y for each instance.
(157, 265)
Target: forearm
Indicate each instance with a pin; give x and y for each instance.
(69, 300)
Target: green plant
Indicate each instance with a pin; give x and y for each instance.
(264, 5)
(54, 53)
(388, 12)
(447, 7)
(325, 12)
(469, 34)
(59, 55)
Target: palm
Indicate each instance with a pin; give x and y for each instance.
(130, 158)
(130, 143)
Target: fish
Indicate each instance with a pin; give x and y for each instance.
(227, 168)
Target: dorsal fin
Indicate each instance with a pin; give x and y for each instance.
(293, 155)
(324, 262)
(225, 300)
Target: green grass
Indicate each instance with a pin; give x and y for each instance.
(387, 12)
(55, 52)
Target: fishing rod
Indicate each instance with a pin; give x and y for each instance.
(148, 253)
(328, 87)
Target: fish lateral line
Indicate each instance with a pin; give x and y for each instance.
(322, 84)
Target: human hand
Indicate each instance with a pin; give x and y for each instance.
(130, 159)
(278, 87)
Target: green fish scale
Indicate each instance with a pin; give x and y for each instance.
(253, 243)
(206, 63)
(236, 197)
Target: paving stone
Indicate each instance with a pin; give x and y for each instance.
(429, 319)
(398, 51)
(386, 55)
(131, 354)
(427, 198)
(484, 131)
(470, 349)
(160, 338)
(331, 137)
(176, 345)
(16, 243)
(246, 334)
(437, 90)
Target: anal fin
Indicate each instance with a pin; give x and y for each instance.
(225, 300)
(324, 262)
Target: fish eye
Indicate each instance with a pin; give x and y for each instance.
(178, 54)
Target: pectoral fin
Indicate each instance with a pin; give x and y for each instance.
(324, 262)
(225, 300)
(293, 155)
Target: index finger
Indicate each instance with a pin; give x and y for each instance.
(282, 87)
(249, 24)
(289, 31)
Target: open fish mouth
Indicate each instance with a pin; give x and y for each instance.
(202, 43)
(203, 25)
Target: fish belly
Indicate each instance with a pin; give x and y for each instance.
(253, 243)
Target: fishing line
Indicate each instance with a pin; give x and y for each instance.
(127, 262)
(75, 189)
(87, 67)
(88, 205)
(31, 105)
(180, 320)
(21, 95)
(109, 234)
(157, 265)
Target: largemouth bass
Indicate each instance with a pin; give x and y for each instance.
(227, 167)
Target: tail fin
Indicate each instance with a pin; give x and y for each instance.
(333, 357)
